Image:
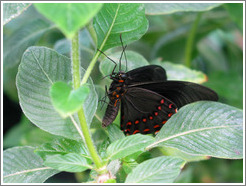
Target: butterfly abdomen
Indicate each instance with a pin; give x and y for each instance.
(111, 113)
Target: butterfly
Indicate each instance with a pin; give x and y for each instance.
(147, 99)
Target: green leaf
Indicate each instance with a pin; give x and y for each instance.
(62, 146)
(70, 162)
(181, 72)
(39, 69)
(156, 170)
(69, 17)
(66, 100)
(114, 19)
(205, 128)
(128, 145)
(21, 38)
(134, 60)
(12, 10)
(21, 165)
(235, 11)
(169, 8)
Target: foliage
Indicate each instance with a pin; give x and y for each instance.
(58, 92)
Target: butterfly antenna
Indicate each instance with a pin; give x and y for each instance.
(115, 64)
(123, 49)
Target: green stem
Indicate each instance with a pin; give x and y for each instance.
(81, 115)
(190, 40)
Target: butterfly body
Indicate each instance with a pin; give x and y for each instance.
(147, 100)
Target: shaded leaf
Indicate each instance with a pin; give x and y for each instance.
(21, 165)
(114, 19)
(156, 170)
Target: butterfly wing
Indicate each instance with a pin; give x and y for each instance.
(144, 111)
(148, 73)
(180, 92)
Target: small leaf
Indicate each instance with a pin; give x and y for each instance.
(128, 145)
(62, 146)
(205, 128)
(66, 100)
(114, 19)
(134, 60)
(181, 72)
(70, 162)
(69, 17)
(169, 8)
(12, 10)
(39, 69)
(157, 170)
(21, 165)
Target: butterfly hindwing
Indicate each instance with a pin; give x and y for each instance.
(144, 111)
(180, 92)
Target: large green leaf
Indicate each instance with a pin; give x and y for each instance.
(12, 10)
(128, 145)
(70, 162)
(21, 165)
(69, 17)
(169, 8)
(181, 72)
(114, 19)
(134, 60)
(205, 128)
(157, 170)
(39, 69)
(62, 146)
(15, 43)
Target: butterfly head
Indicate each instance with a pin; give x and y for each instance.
(119, 76)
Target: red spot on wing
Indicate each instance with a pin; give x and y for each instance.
(156, 113)
(144, 119)
(150, 117)
(162, 101)
(170, 114)
(137, 122)
(121, 81)
(176, 110)
(136, 131)
(170, 105)
(159, 108)
(156, 132)
(129, 123)
(156, 126)
(146, 130)
(164, 122)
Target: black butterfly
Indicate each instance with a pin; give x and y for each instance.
(147, 99)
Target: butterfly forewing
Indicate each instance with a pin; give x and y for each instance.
(150, 73)
(144, 111)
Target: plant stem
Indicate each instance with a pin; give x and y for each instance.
(190, 40)
(81, 115)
